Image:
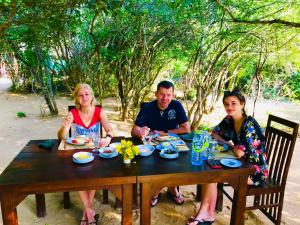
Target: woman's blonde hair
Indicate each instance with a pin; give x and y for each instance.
(76, 90)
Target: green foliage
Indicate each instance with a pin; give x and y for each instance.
(122, 47)
(21, 114)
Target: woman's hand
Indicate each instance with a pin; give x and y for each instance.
(67, 122)
(105, 141)
(239, 150)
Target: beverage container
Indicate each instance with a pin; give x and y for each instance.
(200, 147)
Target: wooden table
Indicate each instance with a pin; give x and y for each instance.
(37, 171)
(154, 173)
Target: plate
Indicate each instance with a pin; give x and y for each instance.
(78, 140)
(114, 145)
(187, 137)
(164, 146)
(168, 156)
(83, 157)
(145, 150)
(221, 147)
(169, 137)
(233, 163)
(180, 145)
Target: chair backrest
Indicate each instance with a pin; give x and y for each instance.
(70, 131)
(280, 143)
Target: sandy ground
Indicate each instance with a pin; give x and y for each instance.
(17, 132)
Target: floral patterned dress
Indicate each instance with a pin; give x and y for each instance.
(251, 140)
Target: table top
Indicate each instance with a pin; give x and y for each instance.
(35, 166)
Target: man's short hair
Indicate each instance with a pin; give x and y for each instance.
(165, 84)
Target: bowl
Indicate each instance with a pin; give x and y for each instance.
(169, 153)
(114, 145)
(145, 150)
(107, 151)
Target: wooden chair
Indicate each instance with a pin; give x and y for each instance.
(279, 146)
(67, 202)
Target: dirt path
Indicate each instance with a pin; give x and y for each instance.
(17, 132)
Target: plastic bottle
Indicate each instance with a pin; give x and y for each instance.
(200, 147)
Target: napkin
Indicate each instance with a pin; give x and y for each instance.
(48, 144)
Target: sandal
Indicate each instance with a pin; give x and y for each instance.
(83, 221)
(95, 222)
(199, 222)
(177, 199)
(155, 200)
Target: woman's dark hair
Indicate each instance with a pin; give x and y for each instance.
(239, 95)
(165, 84)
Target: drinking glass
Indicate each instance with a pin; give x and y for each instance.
(212, 148)
(95, 138)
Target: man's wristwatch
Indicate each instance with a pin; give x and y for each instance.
(109, 135)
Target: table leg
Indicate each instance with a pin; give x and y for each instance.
(9, 211)
(127, 204)
(40, 205)
(145, 204)
(239, 202)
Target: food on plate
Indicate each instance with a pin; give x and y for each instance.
(219, 148)
(166, 138)
(165, 144)
(81, 139)
(82, 156)
(170, 151)
(108, 151)
(182, 147)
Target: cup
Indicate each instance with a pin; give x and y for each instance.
(212, 148)
(95, 138)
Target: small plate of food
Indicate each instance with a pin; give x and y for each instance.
(78, 140)
(83, 157)
(221, 147)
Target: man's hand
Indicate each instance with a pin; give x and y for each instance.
(144, 131)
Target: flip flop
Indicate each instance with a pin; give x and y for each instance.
(200, 222)
(177, 199)
(155, 200)
(83, 222)
(95, 222)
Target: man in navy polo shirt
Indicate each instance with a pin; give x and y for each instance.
(163, 115)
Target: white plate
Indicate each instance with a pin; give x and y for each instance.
(88, 157)
(70, 139)
(233, 163)
(145, 150)
(167, 138)
(114, 145)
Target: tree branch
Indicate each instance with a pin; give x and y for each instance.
(265, 22)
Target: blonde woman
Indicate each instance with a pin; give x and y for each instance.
(86, 119)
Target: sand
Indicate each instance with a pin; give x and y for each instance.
(16, 132)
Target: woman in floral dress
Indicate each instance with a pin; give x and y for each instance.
(245, 137)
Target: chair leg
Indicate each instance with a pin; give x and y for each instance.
(278, 219)
(40, 205)
(219, 205)
(67, 202)
(198, 193)
(105, 196)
